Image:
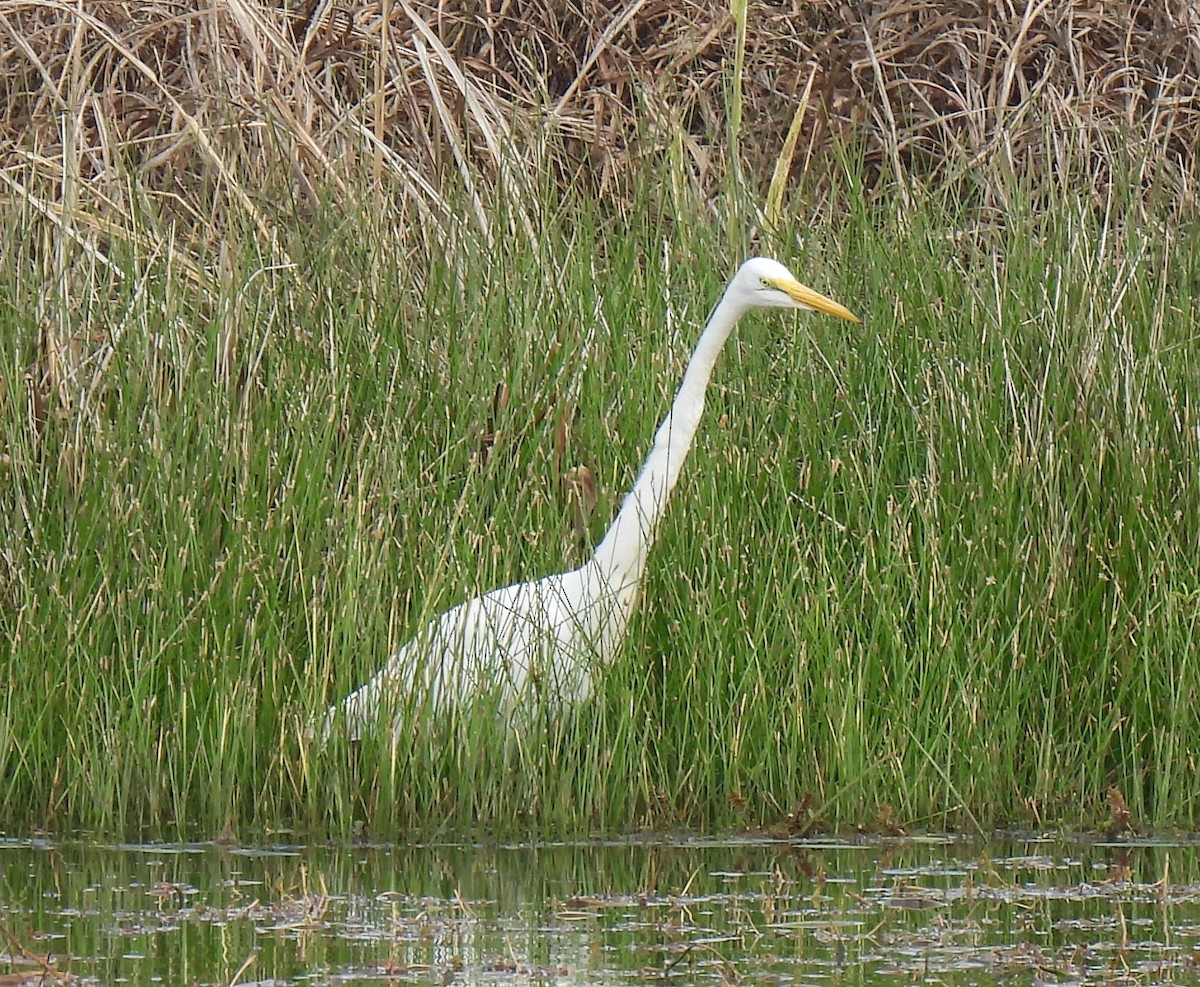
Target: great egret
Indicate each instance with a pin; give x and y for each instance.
(542, 641)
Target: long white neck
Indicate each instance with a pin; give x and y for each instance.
(621, 556)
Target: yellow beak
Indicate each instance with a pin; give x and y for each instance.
(813, 299)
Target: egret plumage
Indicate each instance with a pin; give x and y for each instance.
(544, 641)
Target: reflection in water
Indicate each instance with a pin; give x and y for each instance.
(679, 912)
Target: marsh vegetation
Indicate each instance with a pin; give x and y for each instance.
(286, 371)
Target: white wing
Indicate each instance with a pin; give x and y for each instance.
(512, 650)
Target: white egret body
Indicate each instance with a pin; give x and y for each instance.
(540, 642)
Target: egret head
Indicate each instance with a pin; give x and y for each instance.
(765, 283)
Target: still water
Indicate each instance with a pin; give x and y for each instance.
(678, 911)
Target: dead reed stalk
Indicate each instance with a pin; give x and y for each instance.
(245, 112)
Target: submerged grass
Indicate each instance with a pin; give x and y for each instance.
(939, 568)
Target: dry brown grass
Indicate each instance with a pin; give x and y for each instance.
(247, 114)
(410, 91)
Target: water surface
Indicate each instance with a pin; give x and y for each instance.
(663, 911)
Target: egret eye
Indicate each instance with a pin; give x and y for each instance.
(765, 283)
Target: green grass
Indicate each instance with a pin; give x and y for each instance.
(943, 562)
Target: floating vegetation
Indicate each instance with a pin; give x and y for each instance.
(715, 913)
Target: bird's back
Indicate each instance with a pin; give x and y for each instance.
(515, 649)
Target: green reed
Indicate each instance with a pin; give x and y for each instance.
(936, 569)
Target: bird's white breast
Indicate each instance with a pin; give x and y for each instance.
(515, 650)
